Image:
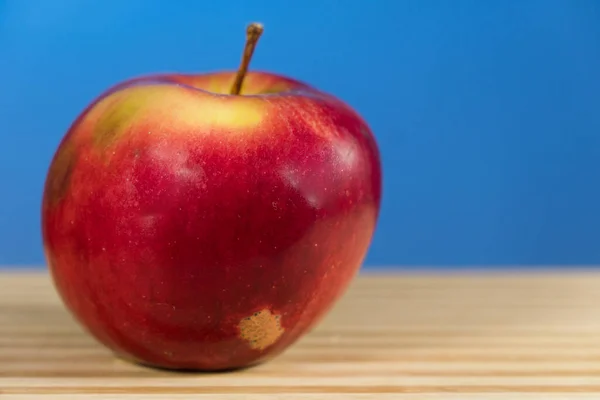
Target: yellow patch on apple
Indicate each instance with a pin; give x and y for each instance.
(200, 111)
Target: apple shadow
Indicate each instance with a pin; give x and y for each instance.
(188, 371)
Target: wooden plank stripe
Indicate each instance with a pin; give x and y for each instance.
(449, 336)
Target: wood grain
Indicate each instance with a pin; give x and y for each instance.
(405, 336)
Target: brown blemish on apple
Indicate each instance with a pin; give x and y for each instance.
(60, 172)
(261, 329)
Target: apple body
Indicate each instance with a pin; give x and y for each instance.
(186, 228)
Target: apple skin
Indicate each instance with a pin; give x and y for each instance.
(185, 228)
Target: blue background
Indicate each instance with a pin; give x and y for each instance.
(487, 112)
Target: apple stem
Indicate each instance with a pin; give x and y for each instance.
(253, 32)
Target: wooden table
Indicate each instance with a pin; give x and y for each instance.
(410, 336)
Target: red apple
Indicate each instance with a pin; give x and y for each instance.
(190, 226)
